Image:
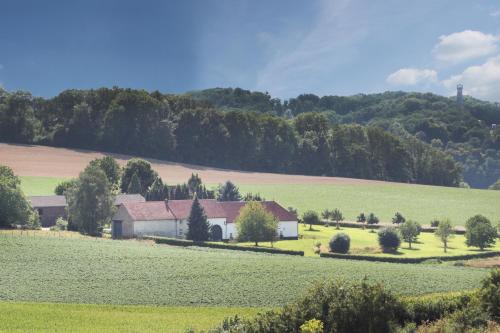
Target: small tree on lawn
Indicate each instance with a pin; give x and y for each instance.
(388, 239)
(361, 219)
(198, 227)
(326, 215)
(90, 201)
(479, 232)
(444, 232)
(310, 217)
(398, 218)
(256, 224)
(337, 217)
(409, 231)
(134, 187)
(372, 219)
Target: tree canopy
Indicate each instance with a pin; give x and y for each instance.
(255, 224)
(228, 192)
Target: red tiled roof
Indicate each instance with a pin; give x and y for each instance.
(48, 201)
(180, 209)
(149, 210)
(123, 198)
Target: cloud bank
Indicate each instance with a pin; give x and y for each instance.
(463, 46)
(412, 76)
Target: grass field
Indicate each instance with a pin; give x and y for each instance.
(366, 242)
(99, 271)
(55, 317)
(417, 202)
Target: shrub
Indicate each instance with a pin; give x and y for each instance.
(372, 219)
(312, 326)
(61, 225)
(479, 232)
(490, 295)
(389, 239)
(340, 243)
(435, 223)
(398, 218)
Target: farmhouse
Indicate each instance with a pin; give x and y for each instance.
(169, 218)
(51, 207)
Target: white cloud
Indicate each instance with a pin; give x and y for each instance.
(466, 45)
(495, 13)
(482, 81)
(412, 76)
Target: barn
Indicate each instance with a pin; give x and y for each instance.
(169, 218)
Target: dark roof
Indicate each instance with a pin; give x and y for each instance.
(123, 198)
(48, 201)
(180, 209)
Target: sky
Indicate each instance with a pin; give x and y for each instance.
(284, 47)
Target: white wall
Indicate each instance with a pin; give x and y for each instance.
(166, 228)
(288, 229)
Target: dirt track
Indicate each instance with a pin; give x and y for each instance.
(30, 160)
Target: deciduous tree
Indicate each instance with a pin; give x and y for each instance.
(256, 224)
(444, 232)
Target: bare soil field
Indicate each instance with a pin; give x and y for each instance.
(43, 161)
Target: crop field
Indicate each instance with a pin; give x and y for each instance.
(100, 271)
(56, 317)
(366, 242)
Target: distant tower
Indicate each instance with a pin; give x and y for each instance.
(460, 96)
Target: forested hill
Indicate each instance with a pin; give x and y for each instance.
(467, 133)
(276, 136)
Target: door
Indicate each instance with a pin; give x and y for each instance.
(116, 231)
(215, 233)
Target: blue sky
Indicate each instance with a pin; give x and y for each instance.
(285, 47)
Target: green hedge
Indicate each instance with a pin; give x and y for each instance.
(458, 231)
(433, 307)
(404, 260)
(185, 242)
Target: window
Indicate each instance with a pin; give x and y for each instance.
(40, 212)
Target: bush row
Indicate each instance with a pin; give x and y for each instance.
(404, 260)
(458, 231)
(185, 242)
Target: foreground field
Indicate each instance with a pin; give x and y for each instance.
(54, 317)
(417, 202)
(99, 271)
(366, 242)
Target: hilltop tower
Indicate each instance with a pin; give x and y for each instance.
(460, 96)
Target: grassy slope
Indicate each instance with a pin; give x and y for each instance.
(102, 271)
(366, 242)
(50, 317)
(418, 202)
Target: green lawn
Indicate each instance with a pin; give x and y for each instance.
(57, 317)
(366, 242)
(418, 202)
(101, 271)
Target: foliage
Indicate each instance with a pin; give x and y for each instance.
(187, 190)
(110, 167)
(495, 186)
(310, 217)
(201, 128)
(340, 243)
(257, 279)
(435, 223)
(157, 191)
(144, 172)
(372, 219)
(198, 227)
(312, 326)
(14, 208)
(253, 197)
(337, 216)
(479, 232)
(444, 232)
(490, 294)
(90, 202)
(228, 192)
(361, 218)
(389, 239)
(61, 225)
(134, 187)
(409, 231)
(398, 218)
(63, 186)
(255, 224)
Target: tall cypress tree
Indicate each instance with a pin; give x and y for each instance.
(158, 191)
(198, 227)
(134, 187)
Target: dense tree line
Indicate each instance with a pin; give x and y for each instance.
(188, 128)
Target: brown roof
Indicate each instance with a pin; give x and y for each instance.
(180, 209)
(48, 201)
(123, 198)
(148, 211)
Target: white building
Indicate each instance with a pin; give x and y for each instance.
(169, 218)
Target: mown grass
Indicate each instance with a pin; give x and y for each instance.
(100, 271)
(418, 202)
(57, 317)
(366, 242)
